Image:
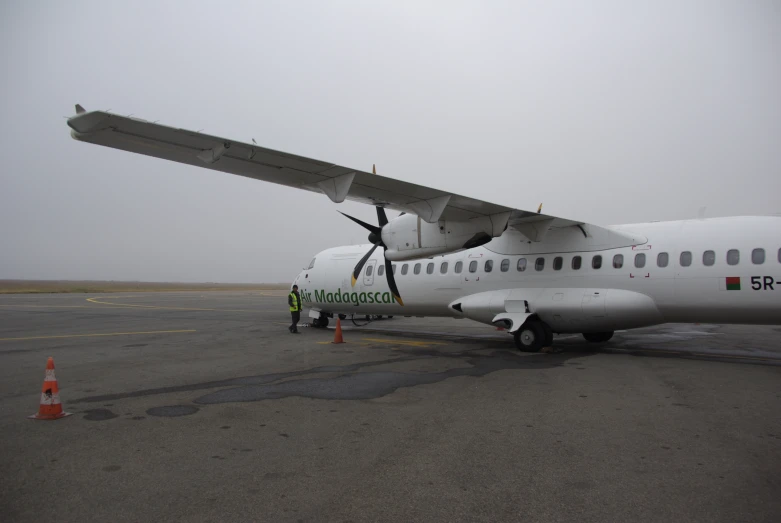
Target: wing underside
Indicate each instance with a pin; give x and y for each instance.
(250, 160)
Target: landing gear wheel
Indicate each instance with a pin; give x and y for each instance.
(320, 323)
(597, 337)
(548, 335)
(530, 337)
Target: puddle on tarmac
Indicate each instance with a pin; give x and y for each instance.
(99, 415)
(172, 411)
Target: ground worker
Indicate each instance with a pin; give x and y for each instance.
(294, 300)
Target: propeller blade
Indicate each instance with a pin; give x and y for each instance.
(392, 281)
(362, 262)
(372, 228)
(382, 218)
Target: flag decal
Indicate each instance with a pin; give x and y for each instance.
(733, 283)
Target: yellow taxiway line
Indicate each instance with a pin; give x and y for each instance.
(95, 300)
(97, 334)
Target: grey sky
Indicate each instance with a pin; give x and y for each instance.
(608, 112)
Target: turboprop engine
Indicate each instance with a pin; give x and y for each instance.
(408, 236)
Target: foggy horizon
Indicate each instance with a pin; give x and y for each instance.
(607, 113)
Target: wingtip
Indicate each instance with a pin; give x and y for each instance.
(539, 209)
(374, 169)
(80, 109)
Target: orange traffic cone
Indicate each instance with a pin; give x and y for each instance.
(338, 334)
(50, 408)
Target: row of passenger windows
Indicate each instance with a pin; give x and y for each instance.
(662, 260)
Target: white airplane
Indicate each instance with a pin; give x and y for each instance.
(453, 256)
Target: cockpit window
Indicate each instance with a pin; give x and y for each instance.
(311, 264)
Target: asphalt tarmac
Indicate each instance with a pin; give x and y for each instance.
(202, 407)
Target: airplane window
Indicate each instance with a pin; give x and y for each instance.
(473, 266)
(505, 265)
(369, 269)
(640, 260)
(576, 261)
(662, 259)
(380, 270)
(416, 269)
(539, 264)
(393, 269)
(430, 268)
(618, 261)
(558, 261)
(312, 263)
(733, 257)
(708, 258)
(489, 265)
(686, 258)
(404, 269)
(758, 256)
(596, 262)
(459, 266)
(443, 268)
(522, 265)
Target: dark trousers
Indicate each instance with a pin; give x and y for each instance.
(296, 315)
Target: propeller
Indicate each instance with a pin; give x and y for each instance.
(375, 237)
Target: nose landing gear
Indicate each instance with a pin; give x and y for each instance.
(321, 322)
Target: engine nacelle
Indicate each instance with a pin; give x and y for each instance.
(408, 236)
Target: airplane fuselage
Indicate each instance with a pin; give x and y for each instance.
(721, 270)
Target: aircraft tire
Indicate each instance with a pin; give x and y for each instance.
(548, 334)
(598, 337)
(320, 323)
(530, 337)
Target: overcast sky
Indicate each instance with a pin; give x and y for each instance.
(608, 112)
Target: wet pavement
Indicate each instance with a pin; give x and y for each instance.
(201, 407)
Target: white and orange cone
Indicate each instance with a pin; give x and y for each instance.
(50, 407)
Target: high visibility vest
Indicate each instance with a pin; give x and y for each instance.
(296, 302)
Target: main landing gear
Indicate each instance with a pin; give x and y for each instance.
(533, 336)
(597, 337)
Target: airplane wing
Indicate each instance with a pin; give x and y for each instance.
(336, 181)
